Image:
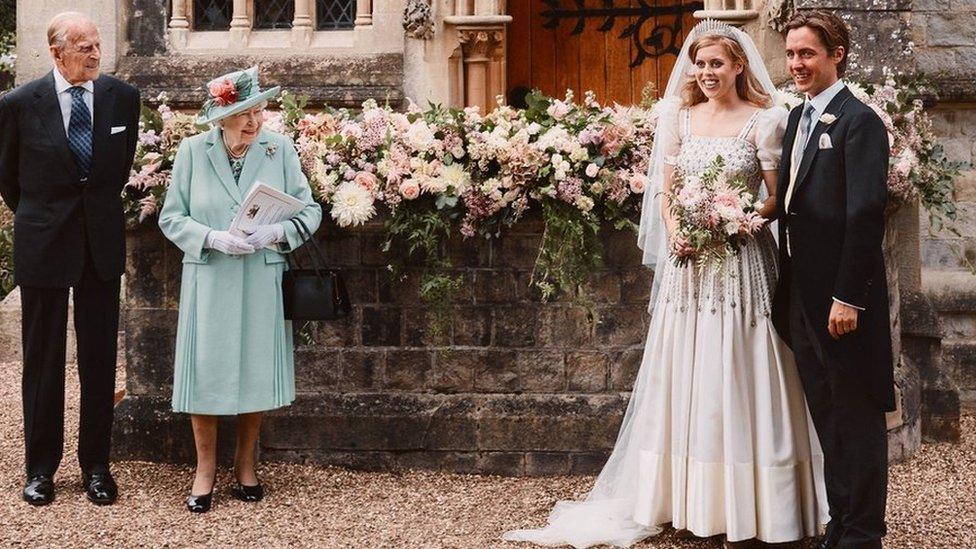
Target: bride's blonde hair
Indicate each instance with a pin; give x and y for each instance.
(747, 86)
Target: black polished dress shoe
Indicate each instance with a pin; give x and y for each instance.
(39, 490)
(201, 504)
(831, 538)
(101, 488)
(249, 494)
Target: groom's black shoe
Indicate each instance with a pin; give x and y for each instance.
(831, 538)
(39, 490)
(101, 488)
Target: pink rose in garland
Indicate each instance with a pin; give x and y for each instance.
(223, 92)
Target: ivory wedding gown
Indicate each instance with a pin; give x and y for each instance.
(717, 437)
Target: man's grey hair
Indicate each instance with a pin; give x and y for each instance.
(62, 23)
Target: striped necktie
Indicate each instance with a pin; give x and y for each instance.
(80, 131)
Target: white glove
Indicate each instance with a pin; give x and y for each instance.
(224, 242)
(265, 235)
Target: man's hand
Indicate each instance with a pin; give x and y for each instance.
(842, 320)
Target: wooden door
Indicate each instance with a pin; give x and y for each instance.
(612, 47)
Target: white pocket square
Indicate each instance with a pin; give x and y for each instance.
(117, 129)
(825, 142)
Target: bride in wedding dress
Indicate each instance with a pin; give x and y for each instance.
(717, 437)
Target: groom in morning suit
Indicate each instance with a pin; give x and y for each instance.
(831, 302)
(66, 146)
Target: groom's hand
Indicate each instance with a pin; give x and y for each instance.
(842, 320)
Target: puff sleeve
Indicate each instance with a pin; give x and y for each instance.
(770, 127)
(668, 134)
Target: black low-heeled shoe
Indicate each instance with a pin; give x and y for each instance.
(249, 494)
(201, 504)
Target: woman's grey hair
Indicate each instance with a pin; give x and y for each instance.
(62, 24)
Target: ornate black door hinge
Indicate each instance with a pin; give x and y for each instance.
(660, 40)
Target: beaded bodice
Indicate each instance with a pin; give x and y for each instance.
(698, 152)
(745, 281)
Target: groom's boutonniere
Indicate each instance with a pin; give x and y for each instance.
(827, 118)
(272, 149)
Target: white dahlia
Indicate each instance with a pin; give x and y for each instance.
(352, 204)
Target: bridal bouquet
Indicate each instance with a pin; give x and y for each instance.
(714, 214)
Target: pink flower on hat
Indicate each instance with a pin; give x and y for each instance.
(223, 92)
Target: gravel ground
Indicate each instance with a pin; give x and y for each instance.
(932, 502)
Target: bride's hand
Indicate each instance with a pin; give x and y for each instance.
(680, 246)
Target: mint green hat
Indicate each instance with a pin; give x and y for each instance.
(233, 93)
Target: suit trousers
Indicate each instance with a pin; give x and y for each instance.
(45, 319)
(853, 434)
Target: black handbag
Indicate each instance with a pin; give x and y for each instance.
(318, 293)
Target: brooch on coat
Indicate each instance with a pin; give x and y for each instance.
(271, 149)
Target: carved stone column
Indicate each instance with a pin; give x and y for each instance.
(302, 26)
(481, 46)
(179, 24)
(364, 13)
(739, 13)
(240, 24)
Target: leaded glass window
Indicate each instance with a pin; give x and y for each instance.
(212, 15)
(335, 14)
(274, 14)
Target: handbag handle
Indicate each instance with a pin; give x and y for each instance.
(318, 259)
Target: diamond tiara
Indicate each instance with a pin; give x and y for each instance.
(713, 27)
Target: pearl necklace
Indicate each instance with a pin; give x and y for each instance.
(230, 151)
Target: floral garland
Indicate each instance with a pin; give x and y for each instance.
(918, 166)
(438, 171)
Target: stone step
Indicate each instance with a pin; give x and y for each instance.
(950, 291)
(959, 357)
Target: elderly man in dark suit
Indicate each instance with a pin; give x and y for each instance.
(831, 304)
(67, 142)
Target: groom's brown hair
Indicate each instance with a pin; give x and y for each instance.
(832, 30)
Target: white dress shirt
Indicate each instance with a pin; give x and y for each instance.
(64, 98)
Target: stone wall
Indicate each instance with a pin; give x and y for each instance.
(514, 386)
(944, 32)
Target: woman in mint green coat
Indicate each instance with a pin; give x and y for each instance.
(233, 346)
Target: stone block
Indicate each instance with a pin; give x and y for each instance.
(454, 462)
(150, 343)
(960, 358)
(407, 370)
(959, 326)
(469, 252)
(951, 29)
(620, 249)
(340, 247)
(453, 425)
(519, 326)
(541, 371)
(516, 251)
(501, 463)
(635, 285)
(453, 371)
(419, 330)
(145, 269)
(940, 415)
(569, 327)
(343, 332)
(494, 286)
(361, 284)
(587, 463)
(472, 327)
(372, 250)
(604, 287)
(381, 326)
(361, 369)
(587, 371)
(965, 187)
(546, 464)
(624, 366)
(316, 370)
(621, 325)
(403, 291)
(495, 371)
(550, 422)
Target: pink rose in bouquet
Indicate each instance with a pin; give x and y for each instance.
(714, 214)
